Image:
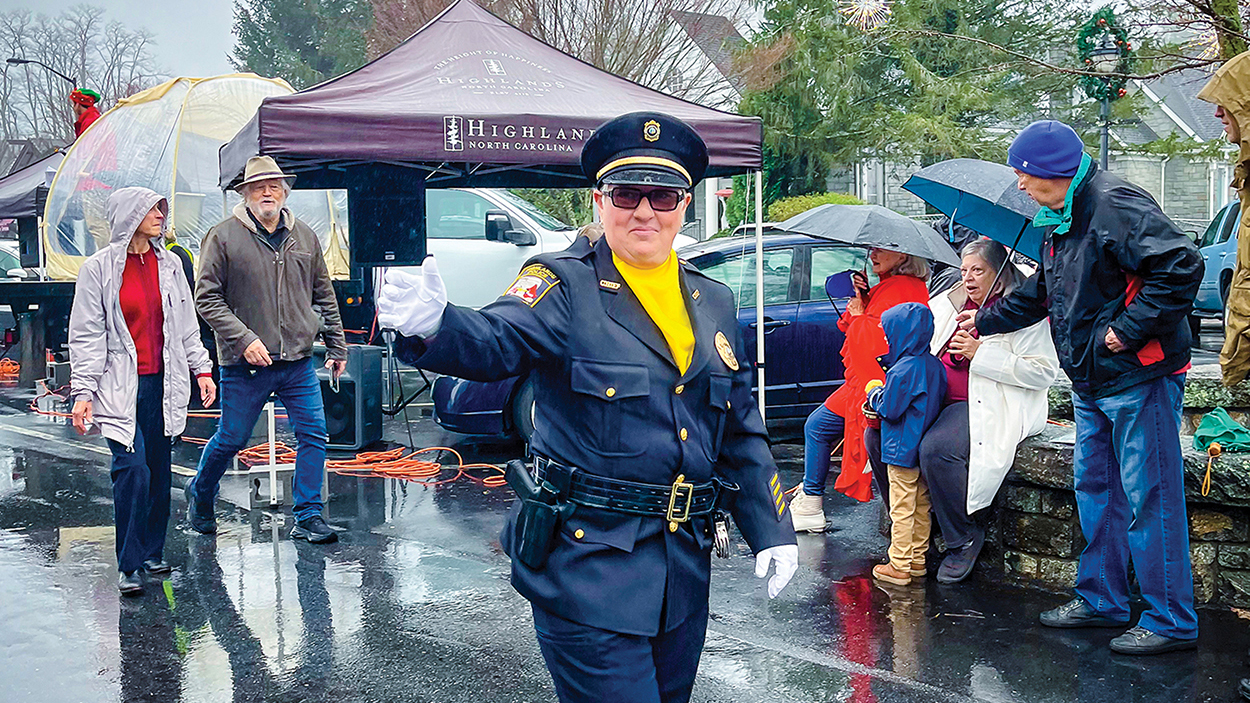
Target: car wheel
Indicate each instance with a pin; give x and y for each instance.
(522, 410)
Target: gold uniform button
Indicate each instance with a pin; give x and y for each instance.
(679, 389)
(683, 434)
(579, 534)
(610, 392)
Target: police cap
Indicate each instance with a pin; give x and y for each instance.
(645, 148)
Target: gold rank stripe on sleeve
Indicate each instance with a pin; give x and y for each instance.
(532, 284)
(778, 496)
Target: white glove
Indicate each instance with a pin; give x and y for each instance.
(412, 301)
(786, 557)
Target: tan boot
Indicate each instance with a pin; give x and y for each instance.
(807, 512)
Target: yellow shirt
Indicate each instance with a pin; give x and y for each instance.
(659, 291)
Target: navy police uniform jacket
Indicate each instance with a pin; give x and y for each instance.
(611, 401)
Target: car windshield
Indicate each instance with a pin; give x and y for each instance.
(8, 261)
(543, 219)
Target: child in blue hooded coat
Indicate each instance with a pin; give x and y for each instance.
(908, 403)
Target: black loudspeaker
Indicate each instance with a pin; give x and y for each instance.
(28, 241)
(354, 413)
(386, 214)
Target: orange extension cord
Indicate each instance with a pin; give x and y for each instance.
(9, 369)
(400, 462)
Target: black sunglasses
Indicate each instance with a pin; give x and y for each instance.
(661, 199)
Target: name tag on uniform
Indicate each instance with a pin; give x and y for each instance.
(532, 284)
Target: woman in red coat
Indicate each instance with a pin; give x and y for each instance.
(902, 281)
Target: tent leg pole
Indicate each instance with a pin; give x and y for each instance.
(759, 285)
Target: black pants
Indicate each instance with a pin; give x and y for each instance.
(944, 454)
(141, 478)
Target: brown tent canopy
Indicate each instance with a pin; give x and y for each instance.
(472, 101)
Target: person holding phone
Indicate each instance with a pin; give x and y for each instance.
(901, 280)
(133, 344)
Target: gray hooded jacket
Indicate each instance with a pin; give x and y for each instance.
(103, 361)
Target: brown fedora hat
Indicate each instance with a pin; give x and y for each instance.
(261, 168)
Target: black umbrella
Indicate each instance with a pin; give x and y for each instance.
(872, 226)
(983, 197)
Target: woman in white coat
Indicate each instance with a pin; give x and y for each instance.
(996, 397)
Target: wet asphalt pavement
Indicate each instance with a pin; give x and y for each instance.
(413, 604)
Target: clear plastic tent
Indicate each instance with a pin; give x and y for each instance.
(166, 138)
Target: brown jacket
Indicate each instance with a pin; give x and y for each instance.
(246, 291)
(1230, 87)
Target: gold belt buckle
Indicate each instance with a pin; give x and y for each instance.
(679, 500)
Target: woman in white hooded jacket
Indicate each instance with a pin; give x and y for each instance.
(996, 398)
(133, 343)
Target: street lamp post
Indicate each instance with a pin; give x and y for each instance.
(14, 61)
(1106, 57)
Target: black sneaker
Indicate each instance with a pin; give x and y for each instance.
(129, 583)
(957, 566)
(1139, 640)
(157, 566)
(1077, 613)
(315, 530)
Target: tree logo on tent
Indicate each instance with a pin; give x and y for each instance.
(494, 67)
(453, 133)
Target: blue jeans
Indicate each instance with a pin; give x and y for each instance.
(141, 480)
(244, 391)
(1130, 495)
(821, 431)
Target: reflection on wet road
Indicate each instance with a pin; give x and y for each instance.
(414, 605)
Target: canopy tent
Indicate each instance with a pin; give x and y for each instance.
(167, 138)
(475, 102)
(19, 190)
(471, 101)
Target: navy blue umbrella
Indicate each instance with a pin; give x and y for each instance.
(983, 197)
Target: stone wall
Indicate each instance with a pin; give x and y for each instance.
(1033, 535)
(1182, 185)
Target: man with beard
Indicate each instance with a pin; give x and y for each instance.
(262, 282)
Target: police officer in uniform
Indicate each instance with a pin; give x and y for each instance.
(644, 423)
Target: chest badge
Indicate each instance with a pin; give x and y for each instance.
(726, 352)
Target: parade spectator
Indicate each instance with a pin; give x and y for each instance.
(261, 274)
(1229, 90)
(86, 109)
(642, 408)
(907, 403)
(1117, 280)
(995, 397)
(902, 280)
(133, 343)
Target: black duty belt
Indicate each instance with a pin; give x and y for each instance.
(676, 503)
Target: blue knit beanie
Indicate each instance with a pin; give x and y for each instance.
(1046, 149)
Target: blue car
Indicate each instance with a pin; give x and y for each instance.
(1218, 247)
(802, 342)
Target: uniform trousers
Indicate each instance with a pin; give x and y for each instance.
(141, 480)
(590, 665)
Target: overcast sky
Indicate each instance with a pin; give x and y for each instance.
(192, 36)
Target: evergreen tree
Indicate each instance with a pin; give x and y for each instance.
(302, 41)
(928, 85)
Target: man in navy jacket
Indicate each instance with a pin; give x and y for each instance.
(1117, 280)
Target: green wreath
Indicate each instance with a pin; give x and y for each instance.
(1087, 39)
